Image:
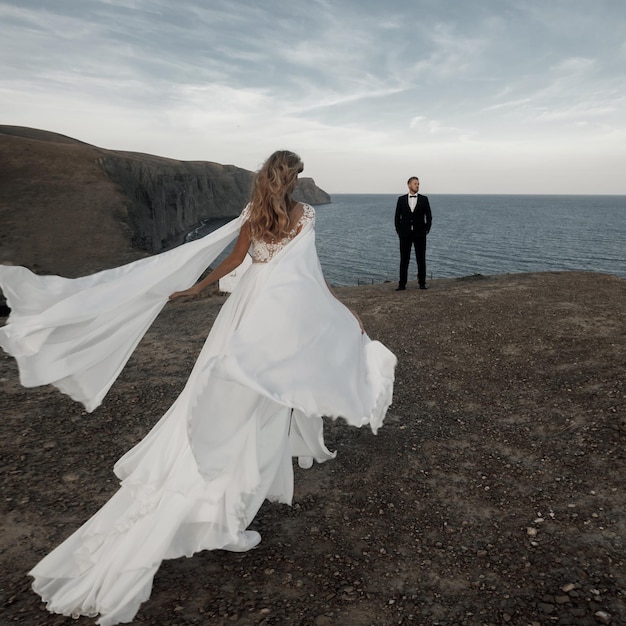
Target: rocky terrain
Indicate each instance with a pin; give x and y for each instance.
(494, 493)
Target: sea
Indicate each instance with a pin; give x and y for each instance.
(472, 234)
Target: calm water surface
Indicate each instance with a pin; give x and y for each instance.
(485, 234)
(472, 234)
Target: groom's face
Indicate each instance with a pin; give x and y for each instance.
(414, 185)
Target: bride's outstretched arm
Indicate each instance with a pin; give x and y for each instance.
(231, 262)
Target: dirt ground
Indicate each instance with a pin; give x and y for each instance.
(494, 494)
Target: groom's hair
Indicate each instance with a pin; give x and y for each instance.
(412, 178)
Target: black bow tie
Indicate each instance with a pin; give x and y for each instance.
(412, 196)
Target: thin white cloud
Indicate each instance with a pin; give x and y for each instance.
(434, 127)
(509, 104)
(453, 53)
(578, 112)
(573, 65)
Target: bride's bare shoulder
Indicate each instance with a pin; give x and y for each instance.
(296, 213)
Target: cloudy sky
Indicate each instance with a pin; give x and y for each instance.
(481, 96)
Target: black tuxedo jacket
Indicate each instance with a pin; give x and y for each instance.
(409, 222)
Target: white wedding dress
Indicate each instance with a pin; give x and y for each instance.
(282, 353)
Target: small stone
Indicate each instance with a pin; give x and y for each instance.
(569, 587)
(545, 607)
(603, 617)
(561, 599)
(531, 532)
(323, 620)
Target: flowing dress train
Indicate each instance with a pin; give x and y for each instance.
(255, 397)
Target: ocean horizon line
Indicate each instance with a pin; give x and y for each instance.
(507, 195)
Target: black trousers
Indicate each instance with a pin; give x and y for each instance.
(417, 239)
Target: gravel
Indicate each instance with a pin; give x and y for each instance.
(494, 494)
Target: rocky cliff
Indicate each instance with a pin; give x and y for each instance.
(167, 198)
(307, 191)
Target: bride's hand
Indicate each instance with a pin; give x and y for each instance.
(187, 293)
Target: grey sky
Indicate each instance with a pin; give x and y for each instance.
(484, 96)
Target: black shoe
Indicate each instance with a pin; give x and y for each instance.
(423, 287)
(400, 288)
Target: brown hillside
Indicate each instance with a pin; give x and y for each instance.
(59, 211)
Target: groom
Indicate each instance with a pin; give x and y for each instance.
(413, 221)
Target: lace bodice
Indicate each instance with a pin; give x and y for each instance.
(264, 251)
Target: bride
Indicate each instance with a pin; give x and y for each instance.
(282, 353)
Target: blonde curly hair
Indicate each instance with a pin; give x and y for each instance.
(270, 201)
